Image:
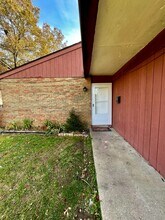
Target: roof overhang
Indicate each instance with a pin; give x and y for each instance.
(115, 32)
(88, 13)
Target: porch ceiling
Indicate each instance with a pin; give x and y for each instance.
(122, 29)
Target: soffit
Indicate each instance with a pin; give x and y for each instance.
(122, 29)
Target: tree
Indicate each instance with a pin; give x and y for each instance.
(49, 40)
(21, 39)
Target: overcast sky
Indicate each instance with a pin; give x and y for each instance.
(62, 14)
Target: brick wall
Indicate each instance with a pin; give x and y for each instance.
(44, 98)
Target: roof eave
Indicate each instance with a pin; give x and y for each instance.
(88, 15)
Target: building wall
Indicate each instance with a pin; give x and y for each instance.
(65, 63)
(44, 98)
(140, 117)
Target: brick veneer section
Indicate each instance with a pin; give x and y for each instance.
(44, 98)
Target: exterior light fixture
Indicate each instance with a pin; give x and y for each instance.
(85, 89)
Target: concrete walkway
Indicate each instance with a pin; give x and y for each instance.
(128, 187)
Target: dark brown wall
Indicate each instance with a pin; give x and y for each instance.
(140, 117)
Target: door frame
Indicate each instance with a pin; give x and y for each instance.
(110, 101)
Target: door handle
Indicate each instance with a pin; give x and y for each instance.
(93, 105)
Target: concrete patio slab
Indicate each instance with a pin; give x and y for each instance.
(128, 187)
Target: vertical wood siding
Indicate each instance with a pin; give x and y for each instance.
(65, 63)
(140, 117)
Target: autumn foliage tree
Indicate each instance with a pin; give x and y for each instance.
(21, 39)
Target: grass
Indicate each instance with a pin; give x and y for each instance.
(47, 177)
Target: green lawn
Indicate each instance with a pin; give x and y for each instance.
(47, 177)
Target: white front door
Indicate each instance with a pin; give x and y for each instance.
(101, 103)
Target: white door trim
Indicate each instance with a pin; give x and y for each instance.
(109, 118)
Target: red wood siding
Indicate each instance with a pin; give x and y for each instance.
(140, 117)
(65, 63)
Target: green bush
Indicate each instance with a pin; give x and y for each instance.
(74, 123)
(52, 131)
(52, 127)
(62, 128)
(27, 124)
(15, 125)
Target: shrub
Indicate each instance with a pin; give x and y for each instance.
(62, 128)
(27, 124)
(74, 123)
(51, 127)
(15, 125)
(52, 131)
(51, 124)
